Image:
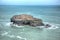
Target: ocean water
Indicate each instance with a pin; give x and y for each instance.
(49, 15)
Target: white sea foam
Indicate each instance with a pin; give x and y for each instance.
(40, 26)
(15, 25)
(11, 24)
(5, 33)
(53, 25)
(21, 37)
(14, 36)
(11, 36)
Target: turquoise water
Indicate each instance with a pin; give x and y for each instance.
(49, 14)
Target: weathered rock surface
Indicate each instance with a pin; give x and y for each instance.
(25, 19)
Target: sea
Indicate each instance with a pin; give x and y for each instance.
(50, 14)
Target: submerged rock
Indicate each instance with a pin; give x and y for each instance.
(25, 19)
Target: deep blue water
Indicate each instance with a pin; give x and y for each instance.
(49, 14)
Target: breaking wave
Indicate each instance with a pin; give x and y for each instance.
(53, 25)
(13, 25)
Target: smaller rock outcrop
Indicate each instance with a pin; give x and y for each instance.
(47, 25)
(25, 19)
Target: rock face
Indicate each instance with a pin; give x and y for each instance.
(25, 19)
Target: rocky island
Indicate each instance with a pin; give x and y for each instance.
(25, 19)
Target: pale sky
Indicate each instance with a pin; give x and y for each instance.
(29, 2)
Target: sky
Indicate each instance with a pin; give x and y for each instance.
(29, 2)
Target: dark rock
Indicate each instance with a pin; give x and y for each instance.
(47, 25)
(25, 19)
